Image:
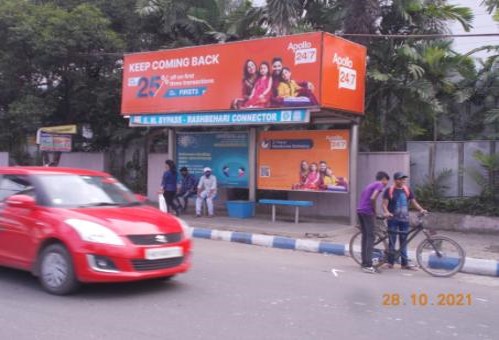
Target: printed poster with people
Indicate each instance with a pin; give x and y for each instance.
(304, 160)
(271, 73)
(226, 153)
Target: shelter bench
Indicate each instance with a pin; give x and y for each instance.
(296, 204)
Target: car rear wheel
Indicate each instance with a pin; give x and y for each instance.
(57, 274)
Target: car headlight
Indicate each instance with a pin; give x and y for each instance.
(187, 231)
(96, 233)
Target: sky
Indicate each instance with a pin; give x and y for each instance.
(482, 23)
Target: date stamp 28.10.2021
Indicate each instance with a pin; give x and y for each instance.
(423, 299)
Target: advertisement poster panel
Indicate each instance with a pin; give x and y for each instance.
(226, 153)
(225, 76)
(304, 160)
(343, 76)
(55, 142)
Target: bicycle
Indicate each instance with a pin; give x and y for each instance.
(437, 255)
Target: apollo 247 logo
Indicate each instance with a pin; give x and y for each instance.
(305, 52)
(347, 74)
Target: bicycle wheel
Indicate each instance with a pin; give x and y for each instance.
(440, 256)
(379, 251)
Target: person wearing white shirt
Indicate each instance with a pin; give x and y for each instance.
(207, 190)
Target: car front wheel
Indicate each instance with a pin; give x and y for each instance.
(57, 274)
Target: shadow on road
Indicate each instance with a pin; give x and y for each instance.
(20, 280)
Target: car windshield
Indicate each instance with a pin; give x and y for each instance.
(85, 191)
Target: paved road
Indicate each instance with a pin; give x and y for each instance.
(236, 291)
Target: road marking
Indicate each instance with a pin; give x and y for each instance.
(336, 271)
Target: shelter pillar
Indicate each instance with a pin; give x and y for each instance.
(354, 152)
(252, 164)
(171, 143)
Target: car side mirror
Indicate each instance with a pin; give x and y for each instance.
(21, 201)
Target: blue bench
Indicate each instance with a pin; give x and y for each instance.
(296, 204)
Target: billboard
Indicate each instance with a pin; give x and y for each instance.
(283, 72)
(226, 153)
(54, 142)
(304, 160)
(61, 129)
(344, 73)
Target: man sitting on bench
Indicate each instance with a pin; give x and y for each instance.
(188, 188)
(207, 190)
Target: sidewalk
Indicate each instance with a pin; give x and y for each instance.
(330, 236)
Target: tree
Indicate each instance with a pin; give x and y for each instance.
(410, 81)
(54, 65)
(61, 58)
(191, 22)
(492, 6)
(474, 111)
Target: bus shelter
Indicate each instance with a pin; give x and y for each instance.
(273, 115)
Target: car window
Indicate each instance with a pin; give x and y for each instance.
(15, 185)
(80, 191)
(112, 187)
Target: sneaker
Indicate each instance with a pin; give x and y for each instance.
(409, 267)
(370, 270)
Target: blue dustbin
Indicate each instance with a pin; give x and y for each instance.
(240, 209)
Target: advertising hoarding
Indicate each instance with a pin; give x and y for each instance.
(226, 153)
(304, 160)
(282, 72)
(61, 129)
(343, 74)
(55, 142)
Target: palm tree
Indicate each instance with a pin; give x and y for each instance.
(492, 5)
(410, 81)
(283, 15)
(362, 17)
(189, 22)
(474, 113)
(277, 17)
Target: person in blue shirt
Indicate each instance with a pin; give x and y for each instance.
(397, 200)
(169, 186)
(188, 188)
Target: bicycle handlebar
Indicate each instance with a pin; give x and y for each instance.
(419, 215)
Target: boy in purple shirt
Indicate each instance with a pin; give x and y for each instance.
(366, 211)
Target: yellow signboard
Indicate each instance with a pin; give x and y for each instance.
(65, 129)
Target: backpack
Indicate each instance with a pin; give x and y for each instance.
(391, 189)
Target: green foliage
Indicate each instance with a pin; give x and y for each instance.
(477, 206)
(433, 189)
(53, 69)
(411, 82)
(488, 178)
(431, 193)
(193, 22)
(60, 62)
(492, 5)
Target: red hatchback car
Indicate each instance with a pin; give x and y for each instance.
(69, 226)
